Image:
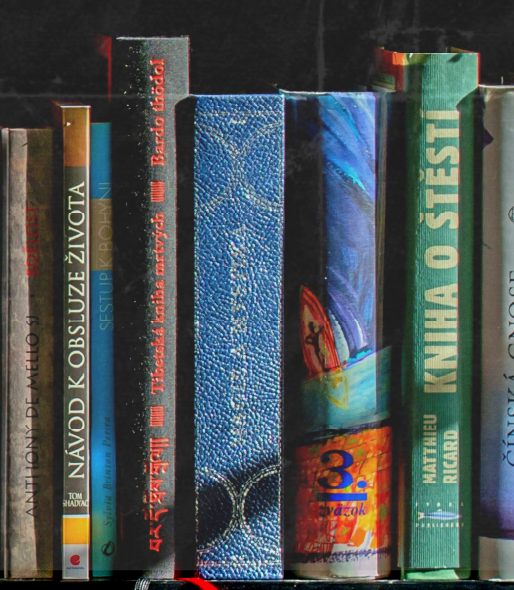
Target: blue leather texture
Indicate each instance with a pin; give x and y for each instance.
(239, 207)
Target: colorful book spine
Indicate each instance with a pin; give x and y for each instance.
(76, 342)
(239, 182)
(435, 505)
(496, 536)
(150, 76)
(27, 354)
(103, 440)
(343, 449)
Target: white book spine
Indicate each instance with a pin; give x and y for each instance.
(496, 542)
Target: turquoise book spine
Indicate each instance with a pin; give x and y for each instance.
(103, 449)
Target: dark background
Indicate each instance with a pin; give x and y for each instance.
(244, 45)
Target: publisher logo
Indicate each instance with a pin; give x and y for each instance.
(75, 560)
(108, 549)
(511, 214)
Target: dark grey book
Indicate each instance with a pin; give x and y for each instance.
(27, 354)
(150, 75)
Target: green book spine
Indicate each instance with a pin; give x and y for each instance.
(435, 539)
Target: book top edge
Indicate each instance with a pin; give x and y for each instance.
(505, 87)
(408, 54)
(236, 96)
(27, 129)
(237, 102)
(156, 38)
(309, 94)
(75, 106)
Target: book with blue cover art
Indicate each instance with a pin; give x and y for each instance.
(343, 449)
(238, 184)
(103, 448)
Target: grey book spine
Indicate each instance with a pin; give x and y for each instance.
(27, 354)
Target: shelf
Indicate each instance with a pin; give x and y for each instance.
(246, 46)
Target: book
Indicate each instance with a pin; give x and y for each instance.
(103, 439)
(335, 249)
(496, 540)
(76, 342)
(436, 476)
(27, 492)
(150, 75)
(239, 181)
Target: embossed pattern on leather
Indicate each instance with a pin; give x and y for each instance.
(239, 175)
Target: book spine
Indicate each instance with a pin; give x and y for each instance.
(103, 440)
(343, 455)
(28, 354)
(76, 343)
(150, 76)
(239, 176)
(496, 540)
(438, 341)
(4, 154)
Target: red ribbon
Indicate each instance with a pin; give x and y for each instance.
(203, 584)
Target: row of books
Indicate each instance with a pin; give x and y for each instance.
(267, 279)
(37, 360)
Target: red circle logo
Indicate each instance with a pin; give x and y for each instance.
(75, 559)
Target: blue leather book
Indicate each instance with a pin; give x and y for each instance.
(239, 176)
(103, 447)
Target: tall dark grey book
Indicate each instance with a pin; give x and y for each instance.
(150, 75)
(27, 353)
(76, 332)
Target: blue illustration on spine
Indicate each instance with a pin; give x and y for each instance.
(239, 170)
(349, 385)
(103, 456)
